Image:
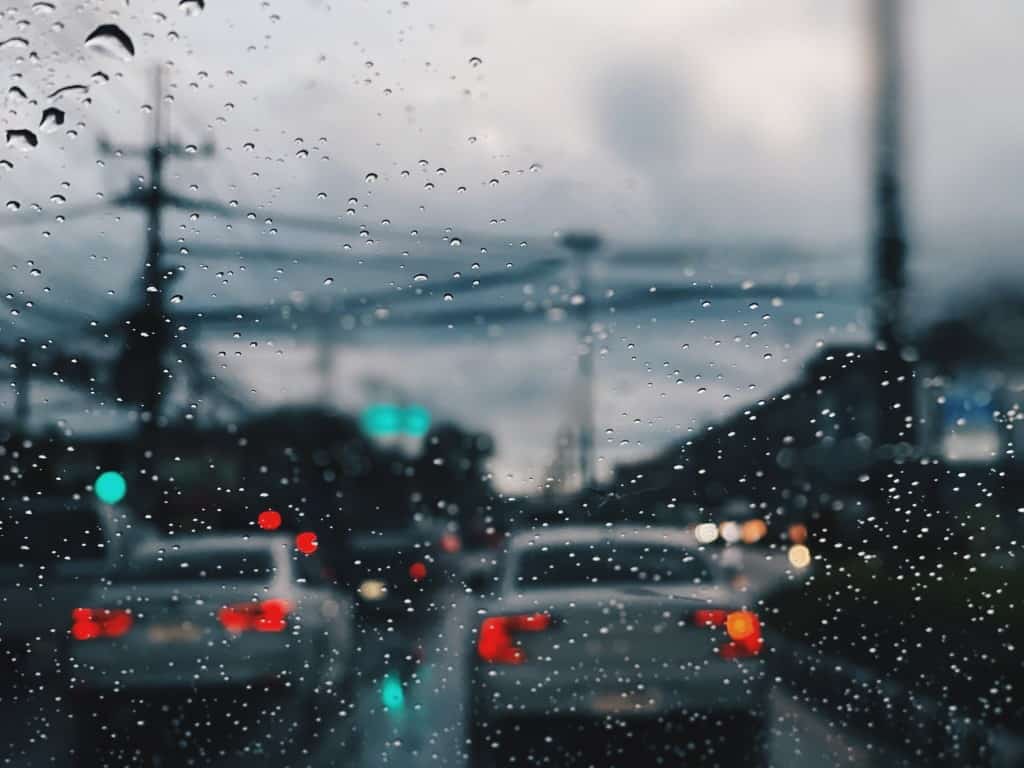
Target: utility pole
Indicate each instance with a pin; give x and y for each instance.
(895, 392)
(140, 374)
(583, 245)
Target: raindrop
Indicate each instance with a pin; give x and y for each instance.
(321, 195)
(475, 61)
(21, 138)
(58, 199)
(421, 277)
(328, 281)
(43, 8)
(15, 93)
(13, 205)
(536, 168)
(370, 178)
(99, 77)
(51, 120)
(69, 89)
(191, 7)
(111, 40)
(177, 298)
(493, 182)
(449, 297)
(455, 242)
(705, 304)
(14, 42)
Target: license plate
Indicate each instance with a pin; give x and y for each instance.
(160, 634)
(624, 703)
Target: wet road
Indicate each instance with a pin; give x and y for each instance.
(422, 722)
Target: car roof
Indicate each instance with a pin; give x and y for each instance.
(214, 542)
(563, 535)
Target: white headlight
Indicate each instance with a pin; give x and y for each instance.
(372, 589)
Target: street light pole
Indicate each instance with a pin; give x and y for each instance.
(583, 245)
(894, 388)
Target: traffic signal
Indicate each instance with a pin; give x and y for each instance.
(110, 487)
(390, 420)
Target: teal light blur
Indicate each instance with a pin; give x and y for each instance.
(392, 695)
(389, 420)
(110, 487)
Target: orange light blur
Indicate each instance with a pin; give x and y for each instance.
(740, 625)
(753, 531)
(798, 533)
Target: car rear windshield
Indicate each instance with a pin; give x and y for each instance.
(604, 564)
(215, 566)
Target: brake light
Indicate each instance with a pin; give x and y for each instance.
(496, 641)
(418, 571)
(91, 623)
(265, 616)
(742, 627)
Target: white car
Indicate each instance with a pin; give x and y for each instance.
(224, 615)
(616, 638)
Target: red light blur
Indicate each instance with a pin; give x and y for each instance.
(450, 542)
(496, 644)
(269, 520)
(265, 616)
(91, 623)
(306, 542)
(742, 627)
(417, 571)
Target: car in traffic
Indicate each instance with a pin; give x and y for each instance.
(397, 572)
(216, 616)
(53, 551)
(622, 637)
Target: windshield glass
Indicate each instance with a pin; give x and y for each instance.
(511, 383)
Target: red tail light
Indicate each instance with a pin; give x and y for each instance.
(265, 616)
(742, 627)
(91, 623)
(496, 642)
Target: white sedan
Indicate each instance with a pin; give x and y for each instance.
(624, 640)
(226, 616)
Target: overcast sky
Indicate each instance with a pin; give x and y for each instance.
(656, 122)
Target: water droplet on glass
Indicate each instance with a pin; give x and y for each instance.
(21, 138)
(51, 120)
(14, 93)
(43, 8)
(449, 297)
(475, 61)
(536, 168)
(68, 90)
(13, 205)
(177, 298)
(493, 182)
(14, 42)
(370, 178)
(705, 304)
(111, 40)
(191, 7)
(455, 242)
(421, 277)
(58, 199)
(328, 281)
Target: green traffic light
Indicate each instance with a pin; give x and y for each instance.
(417, 421)
(391, 693)
(110, 487)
